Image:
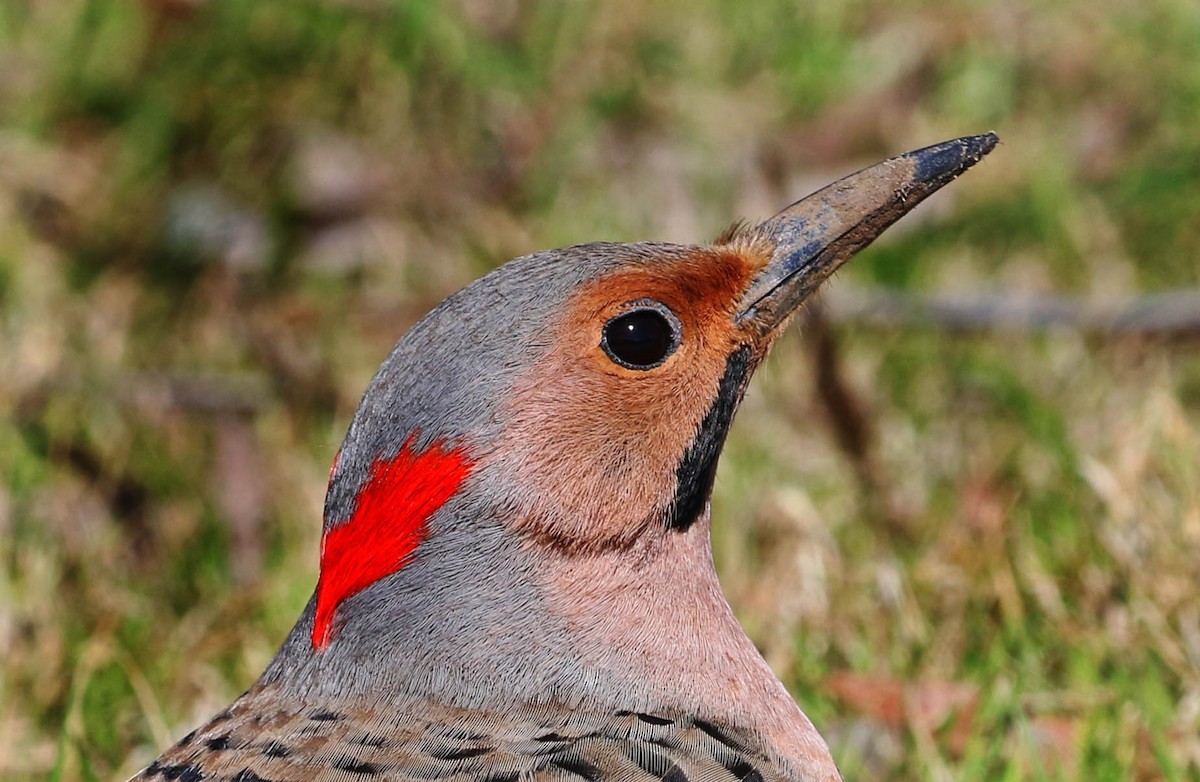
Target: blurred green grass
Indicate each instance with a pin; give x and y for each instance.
(216, 217)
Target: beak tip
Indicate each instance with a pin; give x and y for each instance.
(940, 163)
(817, 234)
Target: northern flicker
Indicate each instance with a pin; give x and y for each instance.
(516, 579)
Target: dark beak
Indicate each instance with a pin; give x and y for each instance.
(816, 235)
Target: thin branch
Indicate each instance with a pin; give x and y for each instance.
(1171, 314)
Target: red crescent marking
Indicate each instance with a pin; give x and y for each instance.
(390, 520)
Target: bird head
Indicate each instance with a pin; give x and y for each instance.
(536, 455)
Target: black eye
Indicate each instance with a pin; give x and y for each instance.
(642, 338)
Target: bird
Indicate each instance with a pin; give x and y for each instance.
(516, 580)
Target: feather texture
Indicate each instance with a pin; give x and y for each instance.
(265, 737)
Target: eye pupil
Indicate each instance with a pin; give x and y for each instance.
(640, 339)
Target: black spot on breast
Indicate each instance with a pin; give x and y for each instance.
(274, 749)
(183, 742)
(326, 716)
(218, 742)
(183, 772)
(744, 771)
(552, 736)
(651, 719)
(579, 767)
(696, 471)
(152, 769)
(719, 735)
(370, 740)
(675, 774)
(356, 766)
(246, 775)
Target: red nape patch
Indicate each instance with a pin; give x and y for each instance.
(389, 522)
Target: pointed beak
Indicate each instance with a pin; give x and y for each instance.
(813, 237)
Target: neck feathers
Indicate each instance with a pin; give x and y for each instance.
(484, 619)
(426, 592)
(660, 631)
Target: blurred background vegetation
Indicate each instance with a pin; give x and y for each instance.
(972, 554)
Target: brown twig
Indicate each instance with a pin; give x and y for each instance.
(850, 419)
(1173, 314)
